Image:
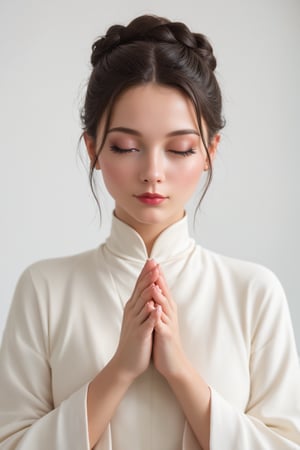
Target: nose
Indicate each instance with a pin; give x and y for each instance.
(152, 170)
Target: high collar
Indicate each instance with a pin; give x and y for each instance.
(173, 242)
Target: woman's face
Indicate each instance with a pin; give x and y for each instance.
(152, 157)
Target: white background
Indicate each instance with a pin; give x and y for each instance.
(252, 209)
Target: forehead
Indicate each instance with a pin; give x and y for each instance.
(153, 110)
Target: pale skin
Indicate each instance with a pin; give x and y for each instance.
(155, 125)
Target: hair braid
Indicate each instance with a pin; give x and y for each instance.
(153, 29)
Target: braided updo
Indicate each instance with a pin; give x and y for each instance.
(152, 49)
(153, 29)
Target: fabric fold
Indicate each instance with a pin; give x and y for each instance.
(64, 326)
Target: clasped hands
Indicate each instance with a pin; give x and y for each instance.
(150, 328)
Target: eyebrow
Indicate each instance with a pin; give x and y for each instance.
(137, 133)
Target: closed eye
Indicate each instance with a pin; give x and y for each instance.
(116, 149)
(188, 152)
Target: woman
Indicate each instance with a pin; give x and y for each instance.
(150, 341)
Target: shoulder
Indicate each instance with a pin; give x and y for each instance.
(49, 291)
(250, 286)
(46, 286)
(52, 273)
(64, 264)
(252, 291)
(240, 271)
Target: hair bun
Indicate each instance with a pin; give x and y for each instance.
(205, 50)
(154, 29)
(194, 41)
(106, 43)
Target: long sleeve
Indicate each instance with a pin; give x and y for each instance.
(64, 326)
(28, 418)
(271, 420)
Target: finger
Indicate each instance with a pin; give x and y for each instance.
(160, 327)
(145, 281)
(151, 322)
(152, 293)
(145, 296)
(161, 282)
(160, 299)
(149, 265)
(145, 312)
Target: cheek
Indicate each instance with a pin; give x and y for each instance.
(114, 175)
(188, 176)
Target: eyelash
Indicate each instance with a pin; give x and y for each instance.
(188, 152)
(116, 149)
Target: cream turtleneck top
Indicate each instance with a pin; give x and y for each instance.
(64, 326)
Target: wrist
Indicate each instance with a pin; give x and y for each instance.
(121, 373)
(180, 372)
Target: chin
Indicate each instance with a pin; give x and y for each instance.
(156, 218)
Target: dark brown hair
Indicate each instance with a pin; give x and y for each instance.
(152, 49)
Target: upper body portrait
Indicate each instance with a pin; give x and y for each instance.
(150, 341)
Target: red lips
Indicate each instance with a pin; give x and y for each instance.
(150, 195)
(151, 199)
